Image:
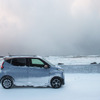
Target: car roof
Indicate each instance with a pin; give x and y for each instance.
(11, 57)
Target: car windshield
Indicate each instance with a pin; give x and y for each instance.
(48, 62)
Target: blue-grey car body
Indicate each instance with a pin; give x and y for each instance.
(31, 76)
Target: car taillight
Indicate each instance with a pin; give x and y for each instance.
(2, 65)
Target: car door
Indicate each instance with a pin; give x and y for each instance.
(19, 71)
(37, 74)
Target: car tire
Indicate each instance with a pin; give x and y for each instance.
(7, 83)
(56, 82)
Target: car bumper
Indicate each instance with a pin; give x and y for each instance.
(63, 82)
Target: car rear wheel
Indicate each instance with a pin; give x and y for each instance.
(7, 83)
(56, 82)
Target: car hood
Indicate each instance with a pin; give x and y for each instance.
(58, 67)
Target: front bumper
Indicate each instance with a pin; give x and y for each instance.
(63, 82)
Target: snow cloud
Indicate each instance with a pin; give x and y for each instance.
(50, 27)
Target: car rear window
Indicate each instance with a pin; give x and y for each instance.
(19, 61)
(8, 61)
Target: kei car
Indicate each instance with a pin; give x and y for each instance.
(30, 71)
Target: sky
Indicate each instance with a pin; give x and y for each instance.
(50, 27)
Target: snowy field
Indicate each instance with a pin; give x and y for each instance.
(77, 87)
(74, 60)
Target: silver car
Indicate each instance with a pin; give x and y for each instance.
(30, 71)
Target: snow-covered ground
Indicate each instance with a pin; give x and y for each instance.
(72, 60)
(77, 87)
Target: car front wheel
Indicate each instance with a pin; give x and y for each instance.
(56, 82)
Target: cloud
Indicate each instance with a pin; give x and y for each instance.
(81, 7)
(49, 27)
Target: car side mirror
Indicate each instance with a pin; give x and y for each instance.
(46, 66)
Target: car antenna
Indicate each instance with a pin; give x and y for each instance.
(9, 55)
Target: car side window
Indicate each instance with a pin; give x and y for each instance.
(36, 62)
(19, 61)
